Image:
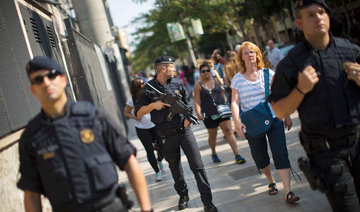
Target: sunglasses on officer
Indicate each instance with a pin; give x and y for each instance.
(204, 71)
(40, 79)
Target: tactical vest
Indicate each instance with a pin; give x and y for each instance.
(335, 101)
(158, 117)
(71, 157)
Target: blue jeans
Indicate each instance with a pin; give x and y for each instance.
(277, 142)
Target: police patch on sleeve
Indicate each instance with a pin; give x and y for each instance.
(87, 136)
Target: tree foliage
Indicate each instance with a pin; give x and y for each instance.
(217, 16)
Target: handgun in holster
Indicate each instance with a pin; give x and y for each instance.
(121, 193)
(312, 175)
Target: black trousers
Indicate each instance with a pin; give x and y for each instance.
(188, 144)
(147, 137)
(340, 169)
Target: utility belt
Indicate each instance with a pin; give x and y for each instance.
(103, 204)
(318, 178)
(167, 130)
(314, 144)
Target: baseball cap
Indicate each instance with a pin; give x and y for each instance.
(305, 3)
(42, 62)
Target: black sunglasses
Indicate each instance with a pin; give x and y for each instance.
(40, 79)
(203, 71)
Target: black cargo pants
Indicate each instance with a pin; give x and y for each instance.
(340, 170)
(186, 140)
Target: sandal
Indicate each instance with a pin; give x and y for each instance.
(291, 197)
(272, 189)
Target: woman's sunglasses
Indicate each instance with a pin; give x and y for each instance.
(203, 71)
(40, 79)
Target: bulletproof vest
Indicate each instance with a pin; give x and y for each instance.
(71, 156)
(335, 101)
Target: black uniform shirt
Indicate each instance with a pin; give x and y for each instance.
(71, 159)
(334, 101)
(149, 95)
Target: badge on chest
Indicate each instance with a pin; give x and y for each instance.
(87, 136)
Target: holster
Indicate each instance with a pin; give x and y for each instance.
(312, 175)
(121, 193)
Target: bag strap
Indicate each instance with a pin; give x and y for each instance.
(267, 82)
(201, 85)
(267, 86)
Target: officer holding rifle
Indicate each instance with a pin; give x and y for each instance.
(173, 128)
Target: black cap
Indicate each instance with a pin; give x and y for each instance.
(305, 3)
(42, 62)
(164, 60)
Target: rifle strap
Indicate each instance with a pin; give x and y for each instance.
(154, 88)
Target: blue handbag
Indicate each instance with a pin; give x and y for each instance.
(259, 119)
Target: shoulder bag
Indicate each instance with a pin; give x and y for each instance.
(259, 119)
(223, 110)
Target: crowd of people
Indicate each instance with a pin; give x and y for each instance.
(319, 77)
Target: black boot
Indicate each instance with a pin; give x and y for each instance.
(183, 202)
(210, 208)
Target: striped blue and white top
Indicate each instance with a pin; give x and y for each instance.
(250, 93)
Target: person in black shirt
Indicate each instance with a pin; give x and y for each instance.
(175, 133)
(67, 152)
(321, 79)
(208, 95)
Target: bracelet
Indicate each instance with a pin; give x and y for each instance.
(300, 91)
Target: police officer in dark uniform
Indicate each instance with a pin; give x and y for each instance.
(321, 79)
(176, 132)
(67, 152)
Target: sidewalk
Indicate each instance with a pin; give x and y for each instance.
(235, 187)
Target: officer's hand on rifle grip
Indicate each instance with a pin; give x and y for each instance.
(186, 123)
(307, 79)
(159, 105)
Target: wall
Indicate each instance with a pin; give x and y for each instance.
(12, 198)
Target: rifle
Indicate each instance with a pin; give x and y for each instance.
(177, 106)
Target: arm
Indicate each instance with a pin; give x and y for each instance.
(227, 82)
(197, 101)
(138, 183)
(287, 105)
(32, 201)
(223, 95)
(235, 100)
(287, 122)
(158, 105)
(217, 76)
(128, 114)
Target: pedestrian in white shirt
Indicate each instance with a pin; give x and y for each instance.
(274, 54)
